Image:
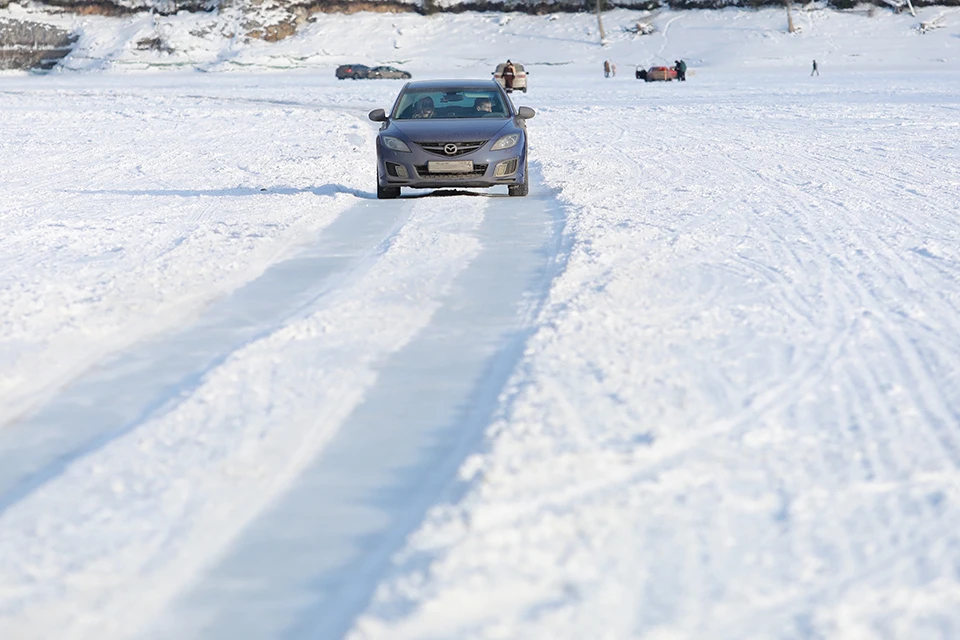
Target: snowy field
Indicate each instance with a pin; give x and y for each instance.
(703, 382)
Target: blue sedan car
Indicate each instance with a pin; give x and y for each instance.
(452, 133)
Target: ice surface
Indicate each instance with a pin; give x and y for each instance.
(714, 389)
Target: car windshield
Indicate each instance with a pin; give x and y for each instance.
(450, 103)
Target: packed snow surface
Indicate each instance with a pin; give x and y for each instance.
(703, 382)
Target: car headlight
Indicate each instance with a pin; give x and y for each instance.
(395, 143)
(506, 142)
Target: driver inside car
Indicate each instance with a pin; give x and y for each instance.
(424, 108)
(483, 105)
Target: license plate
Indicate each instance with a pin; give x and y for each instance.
(450, 166)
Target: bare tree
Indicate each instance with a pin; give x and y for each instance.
(790, 27)
(603, 36)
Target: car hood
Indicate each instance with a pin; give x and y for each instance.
(452, 130)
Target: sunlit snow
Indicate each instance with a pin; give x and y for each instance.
(703, 382)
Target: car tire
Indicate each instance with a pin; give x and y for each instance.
(387, 193)
(522, 189)
(356, 76)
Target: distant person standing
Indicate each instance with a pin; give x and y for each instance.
(815, 70)
(681, 70)
(509, 73)
(613, 69)
(606, 68)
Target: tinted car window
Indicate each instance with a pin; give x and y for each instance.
(451, 104)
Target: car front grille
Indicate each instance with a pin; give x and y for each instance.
(478, 172)
(462, 147)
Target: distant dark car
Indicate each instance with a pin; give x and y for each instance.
(361, 71)
(389, 72)
(452, 133)
(355, 71)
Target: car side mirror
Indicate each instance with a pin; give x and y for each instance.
(526, 113)
(378, 115)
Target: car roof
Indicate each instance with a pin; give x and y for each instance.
(452, 85)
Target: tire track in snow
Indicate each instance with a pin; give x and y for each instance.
(854, 294)
(153, 378)
(88, 206)
(787, 388)
(666, 30)
(312, 561)
(179, 486)
(887, 265)
(880, 464)
(858, 473)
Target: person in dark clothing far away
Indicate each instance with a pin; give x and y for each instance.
(815, 70)
(681, 70)
(606, 68)
(509, 72)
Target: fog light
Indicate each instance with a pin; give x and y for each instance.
(397, 170)
(505, 168)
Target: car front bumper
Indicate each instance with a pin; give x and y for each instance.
(490, 168)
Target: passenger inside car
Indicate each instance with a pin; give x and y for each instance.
(445, 106)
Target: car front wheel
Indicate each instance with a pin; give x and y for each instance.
(523, 188)
(387, 193)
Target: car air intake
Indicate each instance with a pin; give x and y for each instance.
(478, 172)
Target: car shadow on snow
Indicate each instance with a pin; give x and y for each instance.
(442, 193)
(324, 190)
(243, 192)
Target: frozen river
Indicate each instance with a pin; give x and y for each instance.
(703, 382)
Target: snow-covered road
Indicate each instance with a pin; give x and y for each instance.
(741, 416)
(174, 443)
(703, 382)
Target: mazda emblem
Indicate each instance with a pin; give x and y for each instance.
(449, 148)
